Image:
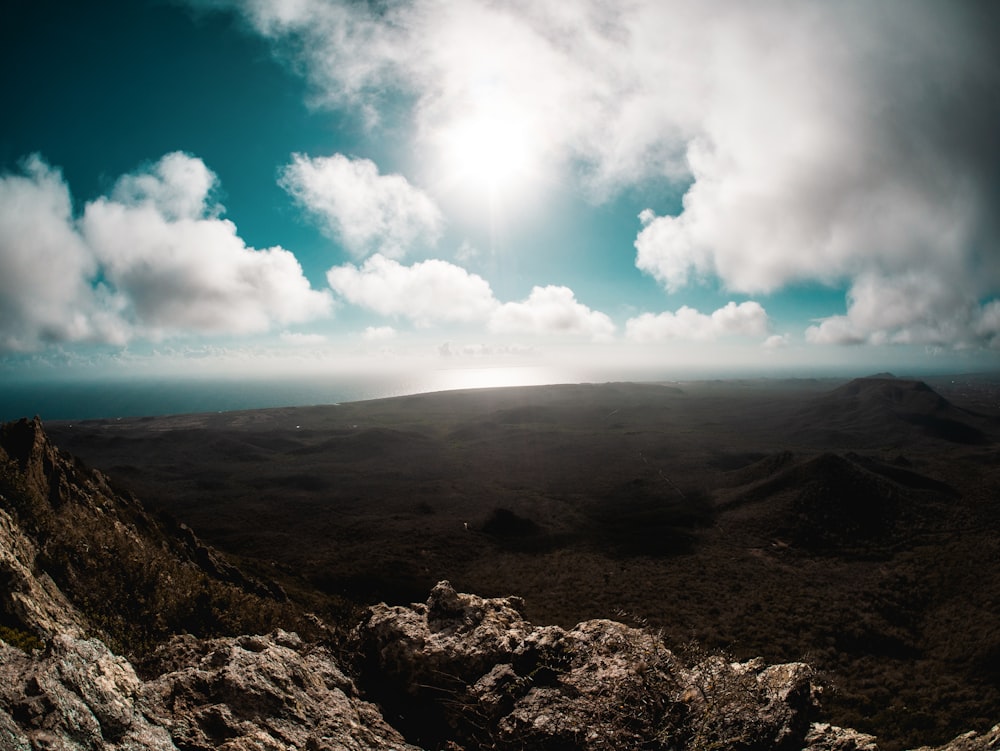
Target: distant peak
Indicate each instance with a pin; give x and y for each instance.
(888, 384)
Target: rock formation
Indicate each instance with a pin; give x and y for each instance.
(497, 681)
(63, 690)
(457, 672)
(473, 670)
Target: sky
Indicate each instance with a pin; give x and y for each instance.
(283, 186)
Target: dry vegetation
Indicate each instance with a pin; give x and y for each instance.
(136, 579)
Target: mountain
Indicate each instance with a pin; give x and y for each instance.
(460, 671)
(831, 503)
(886, 411)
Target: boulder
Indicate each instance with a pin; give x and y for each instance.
(261, 692)
(988, 741)
(74, 695)
(473, 670)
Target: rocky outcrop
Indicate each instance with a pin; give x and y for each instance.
(136, 579)
(29, 599)
(989, 741)
(261, 692)
(74, 695)
(62, 690)
(481, 674)
(473, 671)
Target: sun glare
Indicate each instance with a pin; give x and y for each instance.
(490, 152)
(484, 378)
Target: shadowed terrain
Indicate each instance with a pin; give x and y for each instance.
(851, 524)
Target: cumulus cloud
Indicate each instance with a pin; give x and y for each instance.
(177, 187)
(916, 307)
(816, 141)
(47, 272)
(435, 292)
(298, 339)
(368, 212)
(153, 259)
(427, 292)
(182, 268)
(551, 310)
(748, 319)
(776, 341)
(378, 333)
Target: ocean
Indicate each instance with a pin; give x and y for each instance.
(95, 399)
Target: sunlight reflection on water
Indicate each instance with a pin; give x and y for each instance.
(480, 378)
(98, 399)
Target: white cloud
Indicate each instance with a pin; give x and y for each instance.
(436, 292)
(366, 211)
(917, 307)
(776, 341)
(551, 310)
(152, 260)
(427, 292)
(47, 272)
(835, 330)
(184, 270)
(298, 339)
(816, 141)
(177, 187)
(378, 333)
(747, 319)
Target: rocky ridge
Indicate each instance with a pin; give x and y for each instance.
(459, 671)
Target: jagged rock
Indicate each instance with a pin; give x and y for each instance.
(988, 741)
(261, 692)
(248, 692)
(826, 737)
(75, 695)
(486, 675)
(29, 598)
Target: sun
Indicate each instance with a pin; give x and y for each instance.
(488, 152)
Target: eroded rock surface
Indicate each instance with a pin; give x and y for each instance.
(261, 692)
(477, 669)
(75, 695)
(988, 741)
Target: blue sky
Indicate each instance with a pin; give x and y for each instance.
(289, 185)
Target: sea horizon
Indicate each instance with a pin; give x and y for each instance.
(119, 397)
(122, 397)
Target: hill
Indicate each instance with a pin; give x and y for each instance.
(887, 411)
